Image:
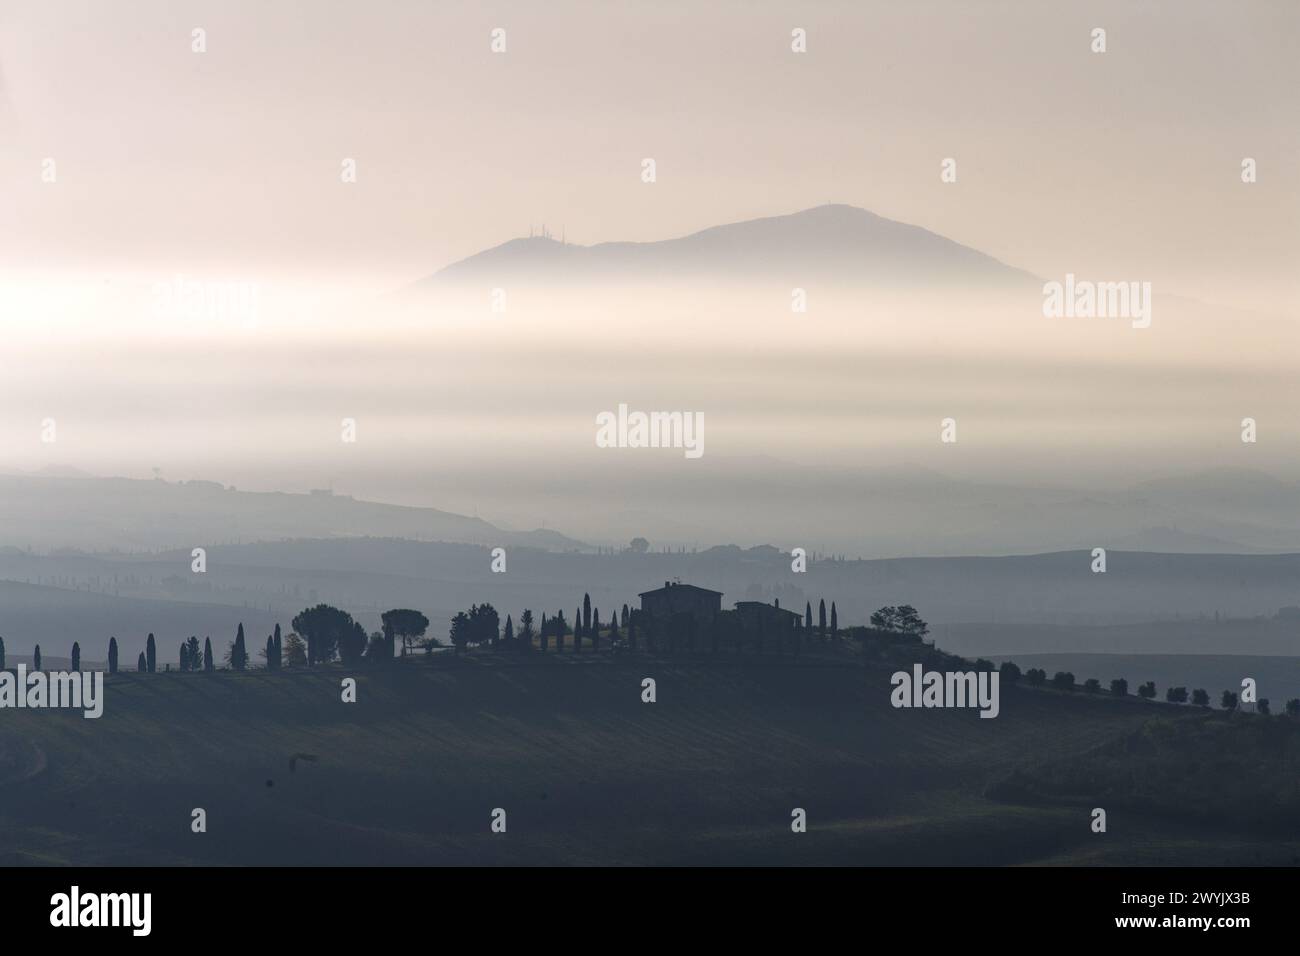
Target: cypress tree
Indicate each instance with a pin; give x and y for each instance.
(270, 652)
(150, 654)
(579, 630)
(508, 638)
(586, 614)
(821, 620)
(238, 654)
(112, 655)
(595, 629)
(624, 617)
(185, 658)
(207, 656)
(613, 627)
(526, 630)
(141, 664)
(279, 650)
(807, 616)
(835, 623)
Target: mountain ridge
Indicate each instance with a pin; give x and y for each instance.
(846, 241)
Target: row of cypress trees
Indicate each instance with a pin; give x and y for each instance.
(586, 624)
(76, 655)
(274, 651)
(191, 658)
(821, 619)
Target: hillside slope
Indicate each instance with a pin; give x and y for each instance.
(587, 772)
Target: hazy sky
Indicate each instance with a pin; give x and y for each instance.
(224, 166)
(228, 162)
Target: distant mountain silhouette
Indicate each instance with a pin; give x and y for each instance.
(845, 242)
(131, 514)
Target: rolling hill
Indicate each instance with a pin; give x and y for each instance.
(587, 773)
(124, 514)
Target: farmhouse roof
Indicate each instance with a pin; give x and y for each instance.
(671, 586)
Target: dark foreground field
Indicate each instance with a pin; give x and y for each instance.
(587, 773)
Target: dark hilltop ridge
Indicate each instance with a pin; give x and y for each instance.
(710, 769)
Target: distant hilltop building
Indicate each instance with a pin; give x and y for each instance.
(546, 234)
(673, 598)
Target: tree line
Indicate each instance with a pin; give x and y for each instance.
(324, 633)
(1119, 687)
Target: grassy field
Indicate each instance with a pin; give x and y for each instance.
(709, 774)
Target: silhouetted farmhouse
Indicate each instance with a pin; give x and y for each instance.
(672, 599)
(684, 617)
(771, 618)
